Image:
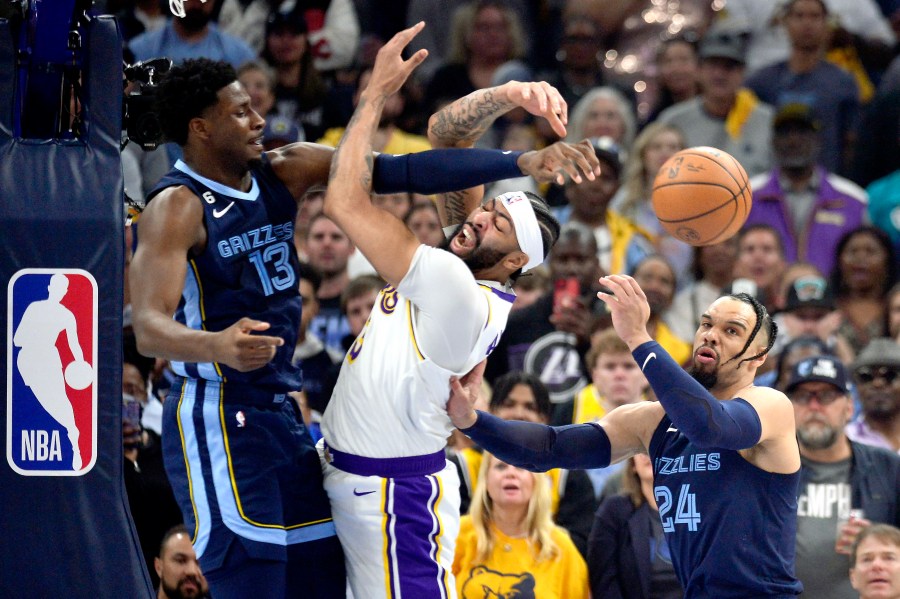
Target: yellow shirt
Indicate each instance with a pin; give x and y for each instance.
(678, 348)
(471, 459)
(400, 142)
(511, 570)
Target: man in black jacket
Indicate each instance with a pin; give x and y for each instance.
(844, 485)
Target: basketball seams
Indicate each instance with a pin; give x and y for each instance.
(733, 197)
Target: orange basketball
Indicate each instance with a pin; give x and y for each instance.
(701, 195)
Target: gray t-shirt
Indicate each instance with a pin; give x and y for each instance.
(825, 497)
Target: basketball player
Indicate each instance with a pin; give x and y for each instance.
(216, 252)
(394, 496)
(39, 362)
(725, 458)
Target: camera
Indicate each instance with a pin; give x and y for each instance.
(140, 121)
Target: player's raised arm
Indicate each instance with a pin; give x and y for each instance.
(383, 239)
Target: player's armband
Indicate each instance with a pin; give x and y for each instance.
(538, 447)
(439, 171)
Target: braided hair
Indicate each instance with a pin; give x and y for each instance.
(762, 320)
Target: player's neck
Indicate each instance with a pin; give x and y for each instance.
(217, 171)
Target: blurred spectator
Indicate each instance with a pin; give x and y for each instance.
(397, 204)
(807, 78)
(655, 144)
(884, 205)
(875, 562)
(550, 337)
(357, 301)
(178, 569)
(725, 115)
(529, 288)
(893, 313)
(808, 205)
(329, 250)
(878, 153)
(521, 396)
(603, 112)
(811, 310)
(389, 138)
(259, 81)
(150, 498)
(307, 209)
(616, 380)
(139, 16)
(579, 59)
(300, 90)
(712, 270)
(423, 220)
(508, 544)
(844, 486)
(795, 351)
(628, 556)
(866, 269)
(877, 375)
(333, 27)
(761, 259)
(280, 131)
(485, 34)
(678, 72)
(193, 36)
(657, 279)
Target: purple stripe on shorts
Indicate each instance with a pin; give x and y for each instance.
(415, 528)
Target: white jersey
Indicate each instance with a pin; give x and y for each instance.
(390, 398)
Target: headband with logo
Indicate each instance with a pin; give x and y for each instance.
(528, 231)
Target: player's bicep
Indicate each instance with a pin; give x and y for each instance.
(301, 165)
(775, 413)
(630, 428)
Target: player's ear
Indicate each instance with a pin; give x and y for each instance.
(157, 565)
(515, 260)
(199, 127)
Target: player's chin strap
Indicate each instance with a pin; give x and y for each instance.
(528, 231)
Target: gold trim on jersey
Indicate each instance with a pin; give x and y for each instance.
(193, 264)
(488, 289)
(386, 550)
(187, 463)
(439, 534)
(412, 330)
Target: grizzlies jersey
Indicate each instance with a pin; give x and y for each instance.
(390, 398)
(249, 268)
(731, 526)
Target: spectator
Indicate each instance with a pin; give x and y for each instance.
(579, 58)
(397, 204)
(884, 202)
(808, 205)
(811, 310)
(657, 278)
(357, 301)
(866, 268)
(139, 16)
(874, 560)
(178, 569)
(603, 112)
(509, 545)
(879, 131)
(329, 251)
(310, 206)
(725, 115)
(678, 72)
(521, 396)
(529, 289)
(893, 313)
(280, 131)
(794, 352)
(807, 78)
(656, 144)
(423, 220)
(844, 485)
(192, 36)
(877, 375)
(628, 556)
(712, 269)
(761, 259)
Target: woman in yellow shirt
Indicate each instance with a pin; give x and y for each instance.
(508, 542)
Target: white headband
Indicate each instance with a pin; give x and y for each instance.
(527, 229)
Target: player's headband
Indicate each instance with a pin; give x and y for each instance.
(528, 231)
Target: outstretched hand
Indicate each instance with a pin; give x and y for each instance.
(464, 394)
(540, 99)
(391, 71)
(556, 161)
(628, 307)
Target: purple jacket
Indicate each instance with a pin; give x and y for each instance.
(840, 207)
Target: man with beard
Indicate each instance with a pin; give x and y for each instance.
(725, 457)
(216, 253)
(844, 485)
(394, 496)
(179, 572)
(877, 374)
(192, 36)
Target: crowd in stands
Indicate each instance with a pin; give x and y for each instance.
(804, 93)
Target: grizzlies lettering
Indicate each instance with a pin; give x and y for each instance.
(237, 245)
(697, 462)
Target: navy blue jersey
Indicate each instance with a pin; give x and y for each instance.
(731, 526)
(248, 268)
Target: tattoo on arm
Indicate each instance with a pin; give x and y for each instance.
(468, 118)
(455, 207)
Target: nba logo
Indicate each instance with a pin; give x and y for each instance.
(51, 352)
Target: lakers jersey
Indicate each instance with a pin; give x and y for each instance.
(249, 265)
(390, 398)
(731, 526)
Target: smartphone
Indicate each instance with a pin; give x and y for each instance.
(563, 288)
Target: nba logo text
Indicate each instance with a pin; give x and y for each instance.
(51, 387)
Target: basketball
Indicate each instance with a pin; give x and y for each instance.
(701, 196)
(79, 375)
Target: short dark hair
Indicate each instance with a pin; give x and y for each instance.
(504, 385)
(762, 227)
(175, 530)
(186, 91)
(358, 287)
(763, 321)
(546, 221)
(882, 532)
